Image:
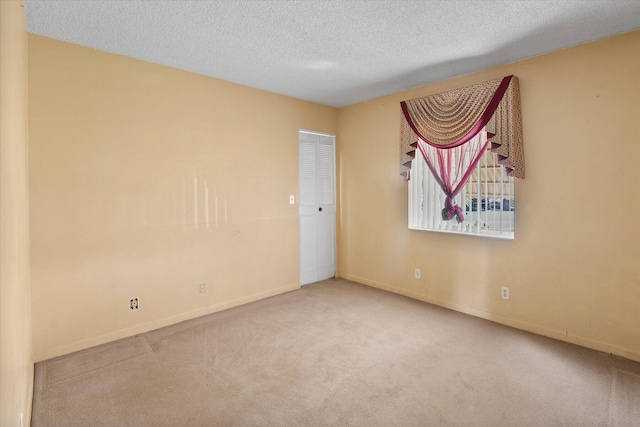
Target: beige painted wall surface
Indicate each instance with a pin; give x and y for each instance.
(16, 363)
(574, 267)
(145, 182)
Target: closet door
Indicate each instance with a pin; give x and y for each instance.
(317, 211)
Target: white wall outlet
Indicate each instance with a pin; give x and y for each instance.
(417, 273)
(292, 199)
(505, 292)
(133, 304)
(203, 288)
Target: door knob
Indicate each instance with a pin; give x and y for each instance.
(319, 209)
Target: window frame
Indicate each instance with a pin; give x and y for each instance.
(422, 181)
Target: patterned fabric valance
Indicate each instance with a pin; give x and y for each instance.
(449, 119)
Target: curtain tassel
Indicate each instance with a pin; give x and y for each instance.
(450, 210)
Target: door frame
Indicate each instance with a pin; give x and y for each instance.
(335, 193)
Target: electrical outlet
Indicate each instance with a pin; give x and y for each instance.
(203, 288)
(505, 292)
(417, 273)
(133, 304)
(292, 199)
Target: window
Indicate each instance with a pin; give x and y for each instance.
(487, 200)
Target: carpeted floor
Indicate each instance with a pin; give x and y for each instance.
(337, 353)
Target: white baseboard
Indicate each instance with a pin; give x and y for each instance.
(514, 323)
(156, 324)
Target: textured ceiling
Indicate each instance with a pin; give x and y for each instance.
(332, 52)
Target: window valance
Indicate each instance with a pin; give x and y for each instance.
(450, 119)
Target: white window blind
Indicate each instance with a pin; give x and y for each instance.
(487, 200)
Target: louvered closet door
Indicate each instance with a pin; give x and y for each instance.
(317, 207)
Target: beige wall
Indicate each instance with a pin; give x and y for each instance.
(16, 364)
(145, 182)
(574, 267)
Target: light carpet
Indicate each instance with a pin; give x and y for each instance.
(337, 353)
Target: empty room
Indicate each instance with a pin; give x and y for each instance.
(319, 213)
